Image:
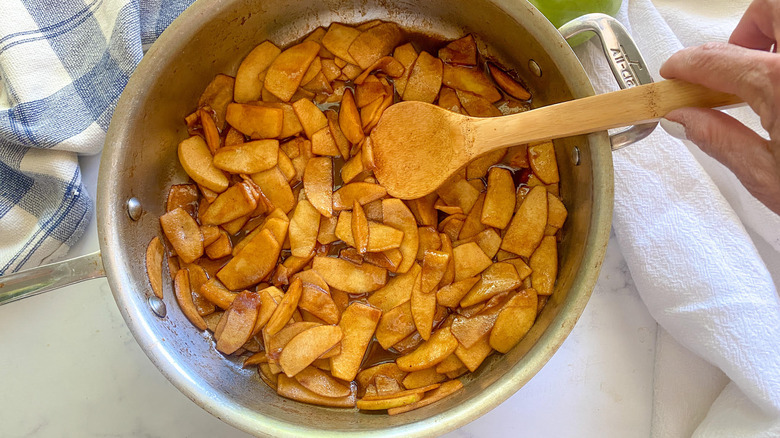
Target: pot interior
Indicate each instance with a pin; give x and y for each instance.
(140, 160)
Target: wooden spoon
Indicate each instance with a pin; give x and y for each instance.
(418, 146)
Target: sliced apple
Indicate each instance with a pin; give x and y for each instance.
(462, 51)
(154, 257)
(424, 80)
(255, 121)
(286, 71)
(253, 263)
(526, 229)
(183, 293)
(358, 323)
(440, 345)
(397, 291)
(307, 346)
(514, 321)
(183, 233)
(349, 277)
(195, 157)
(248, 85)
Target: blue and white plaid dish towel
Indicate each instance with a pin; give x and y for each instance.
(63, 66)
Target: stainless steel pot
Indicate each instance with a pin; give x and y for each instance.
(139, 163)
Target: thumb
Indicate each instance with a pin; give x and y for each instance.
(737, 147)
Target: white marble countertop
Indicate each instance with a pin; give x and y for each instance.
(71, 368)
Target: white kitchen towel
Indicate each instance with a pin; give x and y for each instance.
(63, 65)
(682, 223)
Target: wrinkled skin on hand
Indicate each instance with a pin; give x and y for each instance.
(749, 67)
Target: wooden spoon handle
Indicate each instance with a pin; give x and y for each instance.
(595, 113)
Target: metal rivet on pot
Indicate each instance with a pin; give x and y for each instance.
(157, 305)
(134, 209)
(535, 69)
(575, 155)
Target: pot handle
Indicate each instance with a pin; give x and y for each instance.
(624, 59)
(45, 278)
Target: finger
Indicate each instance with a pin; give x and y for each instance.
(728, 68)
(758, 29)
(737, 147)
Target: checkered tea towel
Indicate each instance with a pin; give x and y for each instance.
(63, 66)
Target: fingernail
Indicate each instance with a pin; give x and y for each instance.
(674, 129)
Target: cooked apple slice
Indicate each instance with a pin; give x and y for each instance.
(338, 136)
(477, 106)
(183, 233)
(307, 346)
(397, 291)
(393, 390)
(183, 196)
(423, 307)
(406, 55)
(368, 375)
(253, 263)
(397, 215)
(449, 271)
(330, 70)
(358, 322)
(389, 259)
(449, 364)
(451, 295)
(423, 378)
(473, 225)
(304, 226)
(235, 202)
(290, 388)
(239, 323)
(181, 287)
(323, 143)
(285, 309)
(511, 86)
(210, 131)
(473, 356)
(312, 118)
(349, 118)
(370, 90)
(429, 240)
(424, 80)
(321, 383)
(362, 192)
(248, 85)
(352, 168)
(269, 301)
(349, 277)
(314, 69)
(395, 325)
(446, 388)
(462, 51)
(497, 278)
(250, 157)
(338, 39)
(389, 403)
(195, 158)
(210, 234)
(217, 95)
(374, 43)
(470, 260)
(154, 258)
(256, 121)
(433, 268)
(457, 191)
(514, 321)
(543, 162)
(500, 199)
(526, 229)
(222, 247)
(218, 294)
(424, 209)
(274, 185)
(359, 227)
(380, 237)
(441, 344)
(319, 303)
(275, 343)
(318, 183)
(556, 212)
(286, 71)
(448, 99)
(327, 233)
(544, 266)
(470, 79)
(489, 241)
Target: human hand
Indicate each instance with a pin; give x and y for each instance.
(749, 67)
